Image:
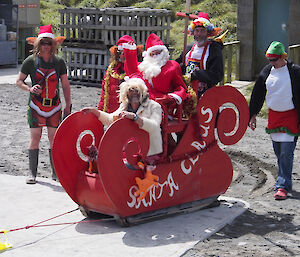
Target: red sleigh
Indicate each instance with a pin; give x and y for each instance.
(191, 177)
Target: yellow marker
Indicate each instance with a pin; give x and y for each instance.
(4, 245)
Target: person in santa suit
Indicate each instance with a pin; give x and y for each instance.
(279, 84)
(114, 75)
(203, 61)
(162, 76)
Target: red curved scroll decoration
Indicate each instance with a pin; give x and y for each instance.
(71, 140)
(123, 139)
(225, 108)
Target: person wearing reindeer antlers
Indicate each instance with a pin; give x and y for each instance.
(203, 61)
(45, 108)
(114, 76)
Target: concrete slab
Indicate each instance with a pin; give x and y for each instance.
(24, 205)
(239, 84)
(8, 75)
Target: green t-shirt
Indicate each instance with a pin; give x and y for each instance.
(29, 66)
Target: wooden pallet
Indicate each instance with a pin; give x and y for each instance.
(109, 24)
(85, 65)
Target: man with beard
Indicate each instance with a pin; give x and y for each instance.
(162, 76)
(136, 106)
(203, 61)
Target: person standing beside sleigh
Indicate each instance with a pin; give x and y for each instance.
(45, 108)
(279, 84)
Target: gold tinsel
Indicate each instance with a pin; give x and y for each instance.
(190, 103)
(110, 73)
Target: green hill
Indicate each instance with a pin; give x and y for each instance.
(223, 13)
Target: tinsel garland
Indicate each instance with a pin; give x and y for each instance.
(190, 103)
(110, 73)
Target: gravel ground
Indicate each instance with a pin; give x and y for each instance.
(268, 228)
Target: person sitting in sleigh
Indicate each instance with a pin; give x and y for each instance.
(136, 106)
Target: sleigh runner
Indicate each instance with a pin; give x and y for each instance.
(190, 177)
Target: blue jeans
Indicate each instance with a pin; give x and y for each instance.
(285, 156)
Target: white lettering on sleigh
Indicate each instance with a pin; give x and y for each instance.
(155, 193)
(187, 165)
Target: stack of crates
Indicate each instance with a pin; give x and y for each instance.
(90, 32)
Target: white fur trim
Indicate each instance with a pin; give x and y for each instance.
(42, 113)
(50, 35)
(176, 97)
(156, 47)
(120, 47)
(129, 46)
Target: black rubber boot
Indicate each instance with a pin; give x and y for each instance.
(33, 155)
(54, 177)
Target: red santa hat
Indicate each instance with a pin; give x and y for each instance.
(124, 39)
(154, 43)
(46, 32)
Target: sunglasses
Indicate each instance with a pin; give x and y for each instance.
(273, 60)
(46, 43)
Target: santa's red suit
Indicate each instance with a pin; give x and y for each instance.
(164, 82)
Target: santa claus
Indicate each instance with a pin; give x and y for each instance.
(162, 76)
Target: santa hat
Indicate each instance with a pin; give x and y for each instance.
(276, 50)
(124, 40)
(46, 32)
(203, 21)
(153, 42)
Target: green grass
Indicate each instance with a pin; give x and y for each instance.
(51, 15)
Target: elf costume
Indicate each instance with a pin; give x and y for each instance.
(44, 109)
(280, 87)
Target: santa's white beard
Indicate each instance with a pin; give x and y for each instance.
(151, 65)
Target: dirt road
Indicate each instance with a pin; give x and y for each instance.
(268, 228)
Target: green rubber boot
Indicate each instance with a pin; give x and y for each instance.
(33, 155)
(54, 177)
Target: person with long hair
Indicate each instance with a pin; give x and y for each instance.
(44, 106)
(114, 76)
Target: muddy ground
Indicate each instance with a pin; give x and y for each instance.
(268, 228)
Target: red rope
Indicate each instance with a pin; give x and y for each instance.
(36, 225)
